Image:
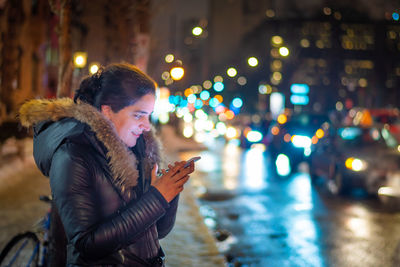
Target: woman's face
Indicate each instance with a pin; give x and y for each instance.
(131, 121)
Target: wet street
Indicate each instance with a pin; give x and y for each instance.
(264, 220)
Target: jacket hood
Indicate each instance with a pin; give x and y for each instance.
(122, 162)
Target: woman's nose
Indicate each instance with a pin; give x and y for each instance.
(146, 126)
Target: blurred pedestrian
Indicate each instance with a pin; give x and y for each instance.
(102, 157)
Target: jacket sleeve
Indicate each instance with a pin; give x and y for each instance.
(166, 223)
(72, 181)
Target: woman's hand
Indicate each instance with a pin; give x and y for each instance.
(171, 183)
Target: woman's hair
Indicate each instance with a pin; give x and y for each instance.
(116, 85)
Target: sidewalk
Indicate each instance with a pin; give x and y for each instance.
(189, 244)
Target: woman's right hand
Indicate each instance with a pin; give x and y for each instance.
(171, 183)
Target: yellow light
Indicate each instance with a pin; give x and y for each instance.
(219, 98)
(358, 165)
(277, 40)
(231, 132)
(197, 31)
(188, 92)
(319, 133)
(80, 59)
(231, 72)
(94, 67)
(252, 61)
(163, 118)
(207, 84)
(276, 65)
(169, 58)
(277, 76)
(349, 163)
(188, 132)
(164, 93)
(282, 119)
(218, 79)
(177, 73)
(305, 43)
(284, 51)
(229, 114)
(165, 75)
(398, 148)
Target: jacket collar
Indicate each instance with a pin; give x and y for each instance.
(122, 161)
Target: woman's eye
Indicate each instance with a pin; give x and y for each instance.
(137, 116)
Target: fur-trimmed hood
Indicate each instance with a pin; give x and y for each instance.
(122, 162)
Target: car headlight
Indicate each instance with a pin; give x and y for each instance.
(301, 141)
(356, 164)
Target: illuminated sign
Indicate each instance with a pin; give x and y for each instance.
(299, 88)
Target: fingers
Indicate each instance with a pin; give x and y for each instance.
(182, 181)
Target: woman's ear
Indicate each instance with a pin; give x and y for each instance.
(106, 110)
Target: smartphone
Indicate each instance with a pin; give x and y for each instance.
(194, 159)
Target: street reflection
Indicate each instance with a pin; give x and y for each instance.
(281, 221)
(300, 224)
(254, 173)
(231, 166)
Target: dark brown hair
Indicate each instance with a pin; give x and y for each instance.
(116, 85)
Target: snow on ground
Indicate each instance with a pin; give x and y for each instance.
(190, 243)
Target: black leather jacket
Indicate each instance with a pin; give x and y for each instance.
(104, 226)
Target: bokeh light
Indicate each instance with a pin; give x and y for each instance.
(237, 102)
(177, 73)
(252, 61)
(94, 67)
(207, 84)
(169, 58)
(218, 86)
(277, 40)
(242, 80)
(196, 31)
(284, 51)
(231, 72)
(218, 78)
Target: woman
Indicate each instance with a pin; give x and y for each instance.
(102, 158)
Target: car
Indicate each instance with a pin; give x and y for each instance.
(355, 157)
(294, 137)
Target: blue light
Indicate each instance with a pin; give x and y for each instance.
(218, 86)
(171, 99)
(183, 103)
(198, 104)
(395, 16)
(178, 99)
(191, 98)
(299, 99)
(350, 133)
(299, 88)
(214, 102)
(204, 95)
(237, 102)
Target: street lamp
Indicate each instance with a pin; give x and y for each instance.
(196, 31)
(80, 59)
(252, 61)
(284, 51)
(177, 73)
(94, 67)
